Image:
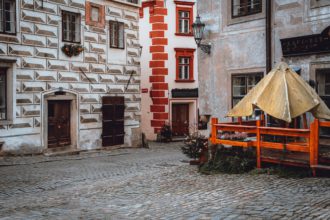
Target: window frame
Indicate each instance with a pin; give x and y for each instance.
(319, 3)
(133, 1)
(118, 23)
(9, 67)
(101, 22)
(185, 7)
(79, 17)
(247, 13)
(184, 65)
(184, 53)
(246, 75)
(3, 18)
(3, 71)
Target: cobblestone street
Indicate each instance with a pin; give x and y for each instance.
(152, 183)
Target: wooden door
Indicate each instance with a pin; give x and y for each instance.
(113, 120)
(59, 123)
(180, 119)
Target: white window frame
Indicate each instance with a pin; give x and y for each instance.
(77, 31)
(10, 65)
(13, 19)
(184, 68)
(117, 34)
(183, 21)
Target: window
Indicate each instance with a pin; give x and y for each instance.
(184, 68)
(185, 65)
(242, 84)
(319, 3)
(184, 22)
(7, 17)
(323, 84)
(95, 14)
(246, 7)
(184, 18)
(71, 27)
(3, 94)
(117, 31)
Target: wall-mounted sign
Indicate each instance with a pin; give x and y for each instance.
(185, 93)
(144, 90)
(306, 45)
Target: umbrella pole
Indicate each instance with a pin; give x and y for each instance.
(240, 120)
(263, 118)
(305, 121)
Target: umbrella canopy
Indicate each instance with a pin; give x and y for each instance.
(282, 94)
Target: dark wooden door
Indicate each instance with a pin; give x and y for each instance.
(180, 119)
(112, 121)
(59, 123)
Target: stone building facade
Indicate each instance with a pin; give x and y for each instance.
(169, 77)
(237, 32)
(40, 84)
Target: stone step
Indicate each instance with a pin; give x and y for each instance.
(61, 152)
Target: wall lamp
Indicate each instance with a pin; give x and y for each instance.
(198, 30)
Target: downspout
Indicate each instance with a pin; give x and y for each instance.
(268, 36)
(268, 27)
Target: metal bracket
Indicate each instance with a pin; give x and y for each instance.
(206, 48)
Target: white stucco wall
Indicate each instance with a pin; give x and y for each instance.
(173, 42)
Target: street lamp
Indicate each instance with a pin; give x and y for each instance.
(198, 29)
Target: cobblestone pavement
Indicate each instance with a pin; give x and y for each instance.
(152, 184)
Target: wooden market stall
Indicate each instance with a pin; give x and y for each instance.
(283, 95)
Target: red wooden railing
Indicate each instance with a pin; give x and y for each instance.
(309, 146)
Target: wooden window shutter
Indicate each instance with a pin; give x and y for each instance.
(121, 35)
(110, 33)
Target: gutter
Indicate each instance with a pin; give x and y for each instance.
(268, 36)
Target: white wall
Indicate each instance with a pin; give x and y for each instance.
(173, 42)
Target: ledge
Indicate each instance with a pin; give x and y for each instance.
(6, 122)
(184, 81)
(184, 35)
(128, 3)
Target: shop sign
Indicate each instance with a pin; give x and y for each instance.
(307, 45)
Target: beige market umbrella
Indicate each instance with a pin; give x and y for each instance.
(282, 94)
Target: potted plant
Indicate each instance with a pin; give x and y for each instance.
(196, 147)
(72, 49)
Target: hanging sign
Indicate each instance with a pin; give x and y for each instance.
(307, 45)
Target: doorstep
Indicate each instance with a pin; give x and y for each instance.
(61, 152)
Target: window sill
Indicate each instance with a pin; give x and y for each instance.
(8, 34)
(184, 35)
(98, 24)
(184, 80)
(118, 48)
(70, 42)
(6, 122)
(128, 3)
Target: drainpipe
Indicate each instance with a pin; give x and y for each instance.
(268, 36)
